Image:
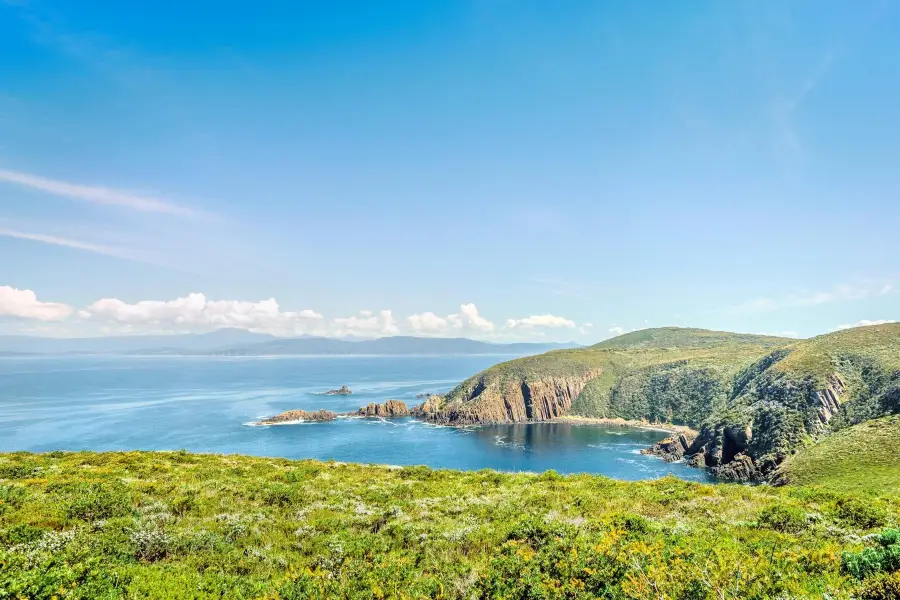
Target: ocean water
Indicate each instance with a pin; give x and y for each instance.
(206, 404)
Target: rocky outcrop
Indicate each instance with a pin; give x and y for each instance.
(741, 468)
(341, 391)
(523, 400)
(300, 416)
(828, 400)
(390, 409)
(673, 448)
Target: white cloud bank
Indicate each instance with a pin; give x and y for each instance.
(366, 324)
(195, 312)
(466, 321)
(864, 323)
(23, 304)
(95, 194)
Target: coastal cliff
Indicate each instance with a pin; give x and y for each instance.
(486, 400)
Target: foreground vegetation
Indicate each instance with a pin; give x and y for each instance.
(179, 525)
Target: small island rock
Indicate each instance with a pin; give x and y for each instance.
(342, 391)
(294, 416)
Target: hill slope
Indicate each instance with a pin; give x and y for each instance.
(755, 399)
(861, 458)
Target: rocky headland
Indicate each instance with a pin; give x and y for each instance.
(743, 403)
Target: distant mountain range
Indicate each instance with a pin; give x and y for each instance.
(239, 342)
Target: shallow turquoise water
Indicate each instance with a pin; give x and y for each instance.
(204, 404)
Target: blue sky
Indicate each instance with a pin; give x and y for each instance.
(493, 169)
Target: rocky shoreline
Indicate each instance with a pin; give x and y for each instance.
(722, 451)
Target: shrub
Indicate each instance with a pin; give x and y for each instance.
(863, 513)
(183, 504)
(632, 523)
(883, 558)
(783, 518)
(279, 495)
(11, 496)
(16, 471)
(882, 587)
(93, 501)
(21, 534)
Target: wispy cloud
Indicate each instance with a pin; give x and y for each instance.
(61, 241)
(95, 194)
(801, 299)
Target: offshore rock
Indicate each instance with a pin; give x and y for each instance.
(300, 416)
(341, 391)
(390, 409)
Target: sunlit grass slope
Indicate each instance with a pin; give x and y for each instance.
(861, 458)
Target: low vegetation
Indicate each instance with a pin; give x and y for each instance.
(179, 525)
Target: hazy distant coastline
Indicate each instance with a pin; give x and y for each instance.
(237, 342)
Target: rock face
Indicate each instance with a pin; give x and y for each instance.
(673, 448)
(515, 401)
(294, 416)
(829, 398)
(390, 409)
(342, 391)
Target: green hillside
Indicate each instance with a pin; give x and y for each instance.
(754, 398)
(181, 526)
(859, 459)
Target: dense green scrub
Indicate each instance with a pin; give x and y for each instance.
(179, 525)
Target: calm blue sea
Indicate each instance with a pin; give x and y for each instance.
(204, 404)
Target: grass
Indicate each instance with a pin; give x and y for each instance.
(859, 459)
(179, 525)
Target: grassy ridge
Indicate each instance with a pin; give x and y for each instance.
(859, 459)
(177, 525)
